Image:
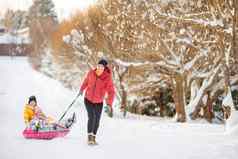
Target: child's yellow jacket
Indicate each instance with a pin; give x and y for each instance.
(28, 113)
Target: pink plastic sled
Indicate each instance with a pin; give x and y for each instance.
(47, 135)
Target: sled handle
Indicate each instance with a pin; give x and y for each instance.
(69, 107)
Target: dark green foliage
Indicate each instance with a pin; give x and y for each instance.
(166, 100)
(235, 98)
(217, 105)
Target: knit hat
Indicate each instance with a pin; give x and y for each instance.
(103, 62)
(32, 98)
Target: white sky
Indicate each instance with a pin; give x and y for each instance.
(64, 8)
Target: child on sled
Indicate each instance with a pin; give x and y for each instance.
(35, 119)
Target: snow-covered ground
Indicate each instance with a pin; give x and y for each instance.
(134, 137)
(10, 39)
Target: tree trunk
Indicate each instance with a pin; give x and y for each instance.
(208, 114)
(123, 97)
(234, 43)
(123, 91)
(178, 94)
(227, 78)
(160, 103)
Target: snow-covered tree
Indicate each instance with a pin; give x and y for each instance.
(228, 12)
(184, 45)
(15, 20)
(42, 8)
(42, 22)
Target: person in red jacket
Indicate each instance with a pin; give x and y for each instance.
(97, 84)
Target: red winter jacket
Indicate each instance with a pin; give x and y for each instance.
(97, 86)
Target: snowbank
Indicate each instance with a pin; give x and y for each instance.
(232, 123)
(131, 137)
(10, 39)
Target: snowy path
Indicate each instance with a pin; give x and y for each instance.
(134, 137)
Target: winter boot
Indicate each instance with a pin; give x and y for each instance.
(94, 140)
(90, 139)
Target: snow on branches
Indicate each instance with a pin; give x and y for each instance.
(183, 45)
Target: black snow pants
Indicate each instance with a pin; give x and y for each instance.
(94, 114)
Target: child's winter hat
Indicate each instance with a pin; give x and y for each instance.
(103, 62)
(32, 98)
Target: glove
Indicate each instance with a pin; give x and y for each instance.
(80, 93)
(109, 111)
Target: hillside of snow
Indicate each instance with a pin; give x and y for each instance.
(131, 137)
